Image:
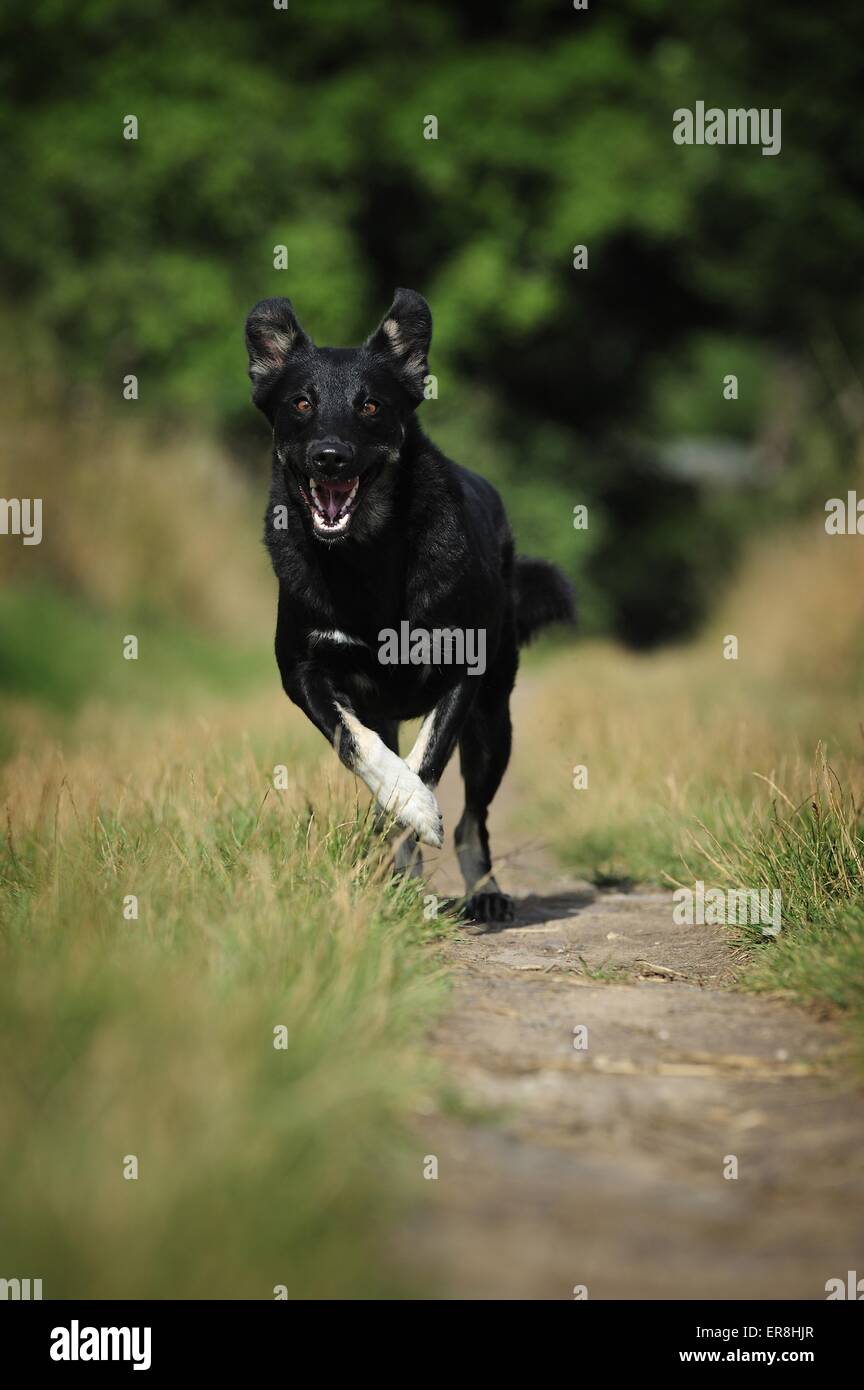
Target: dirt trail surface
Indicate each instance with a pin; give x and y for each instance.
(604, 1166)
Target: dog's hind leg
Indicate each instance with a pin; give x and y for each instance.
(484, 751)
(408, 857)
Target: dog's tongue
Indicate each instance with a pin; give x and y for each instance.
(333, 496)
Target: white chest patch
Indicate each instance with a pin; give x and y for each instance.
(336, 636)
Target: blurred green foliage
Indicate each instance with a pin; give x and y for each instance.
(304, 127)
(60, 652)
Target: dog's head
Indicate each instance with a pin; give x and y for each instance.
(339, 415)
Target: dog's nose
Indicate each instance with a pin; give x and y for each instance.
(331, 457)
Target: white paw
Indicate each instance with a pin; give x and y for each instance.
(398, 791)
(421, 814)
(401, 794)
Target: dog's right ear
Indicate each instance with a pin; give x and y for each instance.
(273, 332)
(402, 340)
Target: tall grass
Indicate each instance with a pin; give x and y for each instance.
(151, 1036)
(678, 738)
(137, 523)
(810, 847)
(147, 531)
(669, 742)
(154, 1038)
(702, 768)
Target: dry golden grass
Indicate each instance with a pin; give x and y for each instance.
(132, 521)
(798, 607)
(154, 1036)
(685, 736)
(745, 774)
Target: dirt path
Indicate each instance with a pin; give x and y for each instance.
(604, 1166)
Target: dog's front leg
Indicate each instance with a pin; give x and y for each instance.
(397, 789)
(439, 732)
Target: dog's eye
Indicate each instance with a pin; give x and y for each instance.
(302, 405)
(369, 407)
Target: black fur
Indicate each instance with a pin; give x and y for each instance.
(543, 596)
(424, 541)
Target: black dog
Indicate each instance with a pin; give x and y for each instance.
(399, 593)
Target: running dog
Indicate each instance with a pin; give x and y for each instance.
(372, 532)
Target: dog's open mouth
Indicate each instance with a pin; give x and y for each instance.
(332, 504)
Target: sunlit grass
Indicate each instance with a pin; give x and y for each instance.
(810, 848)
(701, 767)
(258, 909)
(154, 1037)
(667, 742)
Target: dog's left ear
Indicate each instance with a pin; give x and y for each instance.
(402, 338)
(273, 332)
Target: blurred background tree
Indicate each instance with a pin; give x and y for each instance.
(602, 386)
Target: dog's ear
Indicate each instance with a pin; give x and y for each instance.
(273, 332)
(402, 338)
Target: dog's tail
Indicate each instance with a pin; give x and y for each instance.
(543, 595)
